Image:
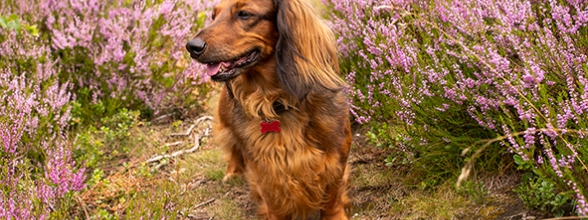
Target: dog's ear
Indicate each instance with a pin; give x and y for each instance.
(306, 50)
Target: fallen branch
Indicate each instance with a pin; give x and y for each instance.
(185, 133)
(162, 117)
(83, 205)
(204, 203)
(189, 131)
(174, 144)
(177, 153)
(196, 137)
(160, 165)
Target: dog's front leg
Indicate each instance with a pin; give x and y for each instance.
(235, 162)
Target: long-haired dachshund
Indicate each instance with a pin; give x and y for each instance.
(283, 117)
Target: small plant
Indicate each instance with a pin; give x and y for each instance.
(100, 144)
(12, 23)
(542, 194)
(475, 191)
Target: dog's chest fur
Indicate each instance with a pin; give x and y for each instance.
(313, 123)
(303, 158)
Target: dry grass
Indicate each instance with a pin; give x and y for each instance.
(190, 186)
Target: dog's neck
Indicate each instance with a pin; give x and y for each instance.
(260, 94)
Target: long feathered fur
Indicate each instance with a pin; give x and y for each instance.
(301, 169)
(306, 53)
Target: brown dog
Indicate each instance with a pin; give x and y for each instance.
(283, 115)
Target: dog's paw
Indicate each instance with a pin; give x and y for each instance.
(228, 176)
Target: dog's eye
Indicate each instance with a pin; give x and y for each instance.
(243, 15)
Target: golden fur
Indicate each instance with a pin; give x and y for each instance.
(302, 169)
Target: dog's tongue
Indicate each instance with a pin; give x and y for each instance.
(212, 69)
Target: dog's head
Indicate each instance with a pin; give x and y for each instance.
(242, 34)
(288, 33)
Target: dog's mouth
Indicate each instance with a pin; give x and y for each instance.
(225, 70)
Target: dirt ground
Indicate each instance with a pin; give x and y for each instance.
(191, 183)
(377, 191)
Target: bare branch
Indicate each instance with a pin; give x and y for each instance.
(195, 147)
(204, 203)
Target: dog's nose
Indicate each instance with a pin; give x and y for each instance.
(196, 46)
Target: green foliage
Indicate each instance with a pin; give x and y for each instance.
(432, 144)
(543, 194)
(110, 139)
(475, 191)
(215, 175)
(117, 127)
(13, 23)
(521, 163)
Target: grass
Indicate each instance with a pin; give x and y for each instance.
(190, 186)
(124, 186)
(170, 188)
(379, 191)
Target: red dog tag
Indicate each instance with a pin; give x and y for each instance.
(273, 126)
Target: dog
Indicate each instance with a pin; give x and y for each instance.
(283, 115)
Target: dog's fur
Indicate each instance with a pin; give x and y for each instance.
(303, 168)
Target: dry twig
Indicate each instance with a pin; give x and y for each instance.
(83, 205)
(185, 133)
(204, 203)
(196, 138)
(189, 131)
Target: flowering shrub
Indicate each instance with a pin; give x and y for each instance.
(36, 168)
(76, 61)
(451, 77)
(121, 54)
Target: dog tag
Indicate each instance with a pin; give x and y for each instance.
(267, 126)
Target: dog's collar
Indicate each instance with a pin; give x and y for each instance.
(230, 89)
(277, 106)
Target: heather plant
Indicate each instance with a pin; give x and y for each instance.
(37, 172)
(121, 54)
(488, 80)
(66, 63)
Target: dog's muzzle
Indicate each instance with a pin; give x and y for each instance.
(196, 47)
